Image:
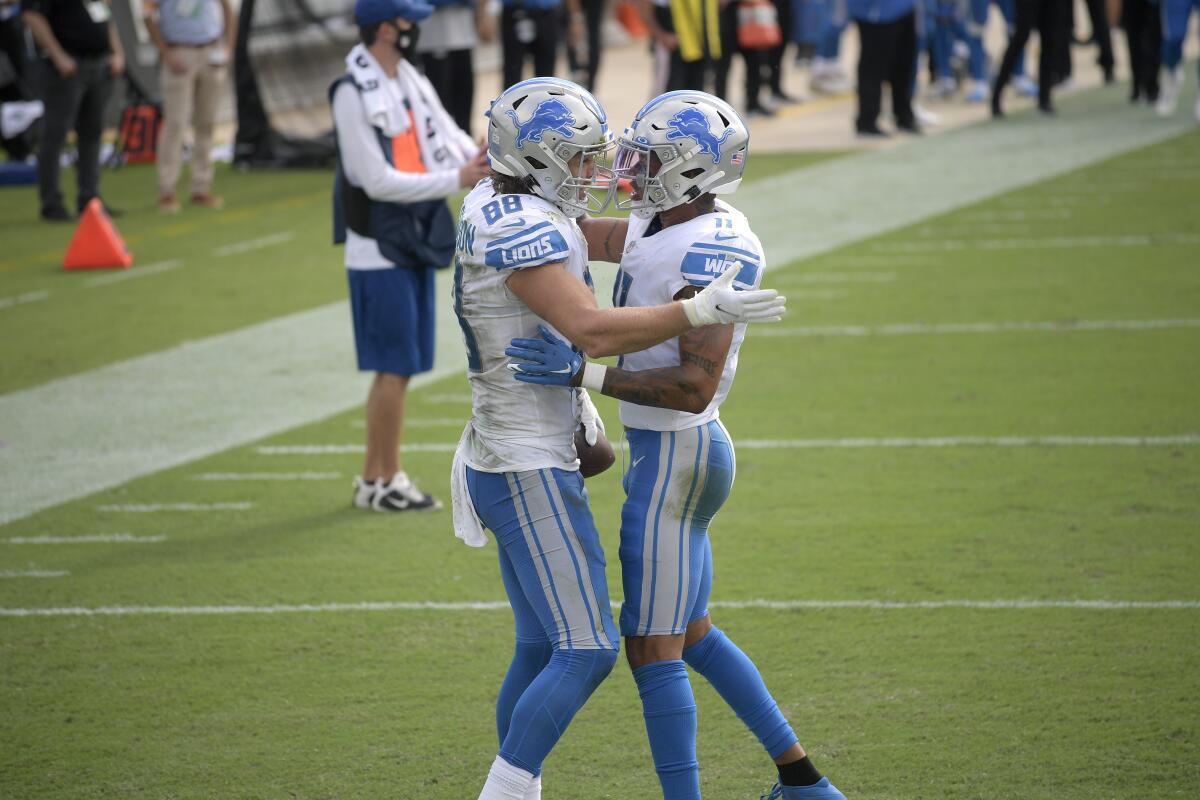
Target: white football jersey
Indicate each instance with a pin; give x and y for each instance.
(514, 426)
(655, 268)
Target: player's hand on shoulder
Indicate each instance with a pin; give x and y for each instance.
(548, 360)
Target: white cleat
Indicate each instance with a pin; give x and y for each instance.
(1168, 93)
(925, 117)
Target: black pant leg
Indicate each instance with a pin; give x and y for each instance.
(875, 54)
(89, 125)
(462, 79)
(61, 98)
(1055, 46)
(774, 58)
(901, 70)
(545, 46)
(1026, 15)
(512, 48)
(1101, 32)
(729, 46)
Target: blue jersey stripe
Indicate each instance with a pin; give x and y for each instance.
(527, 520)
(685, 528)
(562, 532)
(725, 248)
(657, 517)
(511, 237)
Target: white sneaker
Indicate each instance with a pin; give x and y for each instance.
(925, 117)
(1026, 86)
(402, 495)
(978, 93)
(364, 493)
(942, 89)
(1168, 93)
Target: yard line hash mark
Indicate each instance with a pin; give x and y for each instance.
(148, 508)
(98, 538)
(22, 299)
(134, 272)
(267, 476)
(254, 244)
(33, 573)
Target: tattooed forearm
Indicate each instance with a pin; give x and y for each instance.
(707, 364)
(661, 388)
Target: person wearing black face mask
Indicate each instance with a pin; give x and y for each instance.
(400, 155)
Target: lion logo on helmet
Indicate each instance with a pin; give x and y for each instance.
(550, 115)
(690, 123)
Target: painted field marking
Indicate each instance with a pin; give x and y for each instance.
(134, 272)
(150, 508)
(1016, 215)
(1052, 242)
(98, 538)
(501, 605)
(816, 444)
(254, 244)
(34, 573)
(23, 299)
(267, 476)
(915, 328)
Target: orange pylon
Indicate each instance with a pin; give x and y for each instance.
(96, 243)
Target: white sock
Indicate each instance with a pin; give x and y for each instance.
(506, 782)
(534, 792)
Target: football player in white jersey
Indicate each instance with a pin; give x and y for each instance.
(520, 264)
(680, 150)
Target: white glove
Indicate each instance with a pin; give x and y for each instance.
(589, 417)
(720, 304)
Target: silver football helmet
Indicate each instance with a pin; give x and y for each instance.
(538, 127)
(679, 146)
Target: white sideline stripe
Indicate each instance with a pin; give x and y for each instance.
(1016, 215)
(150, 508)
(267, 476)
(501, 605)
(22, 299)
(134, 272)
(99, 538)
(34, 573)
(254, 244)
(814, 444)
(1048, 242)
(911, 328)
(84, 433)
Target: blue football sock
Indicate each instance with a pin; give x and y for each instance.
(738, 681)
(1172, 53)
(670, 711)
(529, 659)
(549, 703)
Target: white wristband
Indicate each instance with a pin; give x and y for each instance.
(593, 376)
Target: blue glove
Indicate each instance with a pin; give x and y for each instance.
(548, 361)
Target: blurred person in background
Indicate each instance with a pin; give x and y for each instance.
(887, 52)
(1045, 16)
(827, 76)
(1175, 16)
(690, 43)
(1143, 35)
(81, 54)
(583, 57)
(444, 49)
(1101, 35)
(529, 29)
(400, 156)
(195, 41)
(19, 112)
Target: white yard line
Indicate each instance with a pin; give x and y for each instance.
(156, 268)
(152, 508)
(33, 573)
(71, 437)
(1016, 215)
(98, 538)
(915, 328)
(23, 299)
(254, 244)
(267, 476)
(500, 605)
(815, 444)
(1038, 243)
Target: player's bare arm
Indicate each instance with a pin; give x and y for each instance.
(688, 387)
(605, 237)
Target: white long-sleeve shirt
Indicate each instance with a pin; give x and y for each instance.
(364, 166)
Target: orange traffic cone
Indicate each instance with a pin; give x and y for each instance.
(96, 243)
(631, 20)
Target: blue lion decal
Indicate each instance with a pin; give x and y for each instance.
(691, 123)
(550, 115)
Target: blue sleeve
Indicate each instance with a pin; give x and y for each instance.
(706, 260)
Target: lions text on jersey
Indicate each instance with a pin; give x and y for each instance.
(514, 426)
(655, 268)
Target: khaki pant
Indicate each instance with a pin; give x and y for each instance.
(189, 98)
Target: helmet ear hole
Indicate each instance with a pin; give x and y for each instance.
(694, 172)
(533, 162)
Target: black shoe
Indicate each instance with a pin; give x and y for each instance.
(783, 98)
(1047, 109)
(871, 132)
(1109, 77)
(910, 127)
(759, 111)
(113, 213)
(997, 111)
(57, 214)
(1135, 95)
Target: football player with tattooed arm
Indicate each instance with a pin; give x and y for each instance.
(681, 149)
(520, 266)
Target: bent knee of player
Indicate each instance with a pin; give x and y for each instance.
(643, 650)
(697, 629)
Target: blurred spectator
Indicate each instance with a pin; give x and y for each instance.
(529, 29)
(1045, 15)
(1175, 16)
(81, 54)
(773, 60)
(689, 43)
(1101, 35)
(888, 49)
(444, 52)
(1143, 34)
(195, 41)
(583, 58)
(827, 76)
(17, 109)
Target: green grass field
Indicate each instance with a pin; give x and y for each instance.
(904, 701)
